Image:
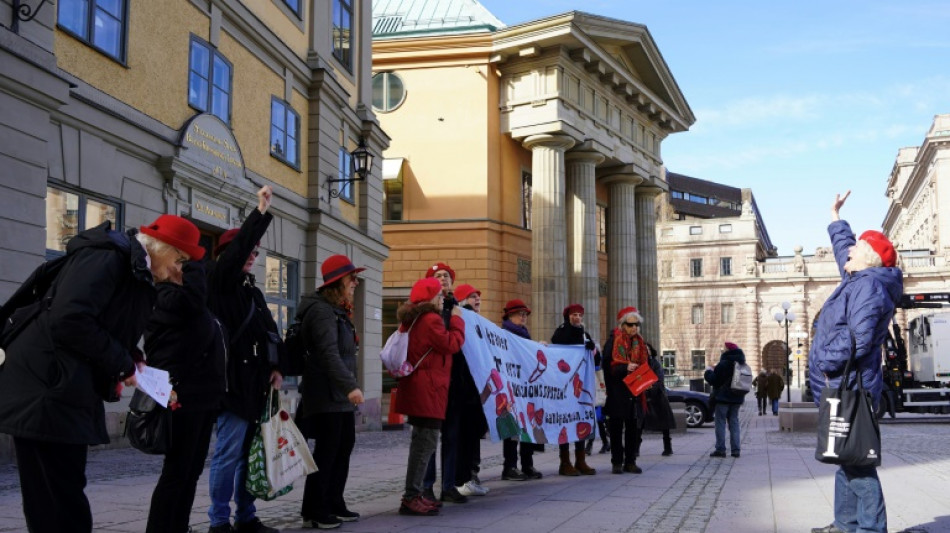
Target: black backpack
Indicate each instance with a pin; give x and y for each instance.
(29, 300)
(295, 351)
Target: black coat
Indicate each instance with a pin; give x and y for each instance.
(659, 414)
(231, 293)
(721, 376)
(102, 301)
(331, 342)
(184, 338)
(621, 403)
(569, 334)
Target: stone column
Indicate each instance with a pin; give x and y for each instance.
(582, 237)
(648, 300)
(621, 244)
(548, 232)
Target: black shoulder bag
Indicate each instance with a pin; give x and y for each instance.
(148, 425)
(848, 432)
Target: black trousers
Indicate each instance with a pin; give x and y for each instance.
(511, 451)
(174, 494)
(52, 482)
(472, 428)
(763, 402)
(323, 491)
(625, 433)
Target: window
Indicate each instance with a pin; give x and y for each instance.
(101, 24)
(69, 212)
(281, 294)
(666, 269)
(668, 315)
(601, 228)
(725, 266)
(388, 91)
(294, 6)
(727, 314)
(390, 325)
(526, 200)
(666, 232)
(392, 199)
(695, 230)
(346, 187)
(342, 31)
(209, 80)
(725, 228)
(698, 359)
(696, 314)
(284, 132)
(669, 362)
(695, 268)
(676, 194)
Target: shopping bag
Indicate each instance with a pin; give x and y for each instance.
(279, 454)
(848, 431)
(640, 379)
(600, 395)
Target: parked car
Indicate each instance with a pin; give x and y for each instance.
(698, 409)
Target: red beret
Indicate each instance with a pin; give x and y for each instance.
(424, 290)
(514, 306)
(627, 311)
(465, 290)
(881, 245)
(573, 308)
(440, 266)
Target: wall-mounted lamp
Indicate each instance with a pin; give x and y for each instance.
(23, 12)
(361, 161)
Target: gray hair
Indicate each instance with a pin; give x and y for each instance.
(153, 246)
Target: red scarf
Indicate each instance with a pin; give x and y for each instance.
(628, 349)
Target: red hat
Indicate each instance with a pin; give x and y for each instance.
(514, 306)
(424, 290)
(732, 346)
(622, 314)
(440, 266)
(178, 232)
(335, 267)
(465, 290)
(226, 239)
(571, 309)
(881, 245)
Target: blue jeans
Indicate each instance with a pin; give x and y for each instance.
(775, 406)
(727, 412)
(859, 500)
(228, 472)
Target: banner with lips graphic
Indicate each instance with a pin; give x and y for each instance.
(529, 391)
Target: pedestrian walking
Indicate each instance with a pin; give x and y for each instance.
(625, 350)
(761, 384)
(728, 402)
(572, 332)
(330, 392)
(775, 387)
(184, 338)
(856, 315)
(75, 353)
(515, 315)
(251, 370)
(473, 425)
(424, 394)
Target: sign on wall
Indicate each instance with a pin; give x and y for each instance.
(208, 144)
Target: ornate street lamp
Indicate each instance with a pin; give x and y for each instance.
(361, 162)
(786, 317)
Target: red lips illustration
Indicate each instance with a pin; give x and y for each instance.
(563, 366)
(583, 430)
(562, 436)
(281, 442)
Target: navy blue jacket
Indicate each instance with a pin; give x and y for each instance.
(864, 304)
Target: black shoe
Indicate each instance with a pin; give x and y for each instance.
(326, 522)
(617, 469)
(254, 526)
(347, 516)
(589, 448)
(453, 495)
(605, 448)
(735, 454)
(830, 528)
(667, 453)
(513, 474)
(717, 454)
(223, 528)
(632, 468)
(532, 472)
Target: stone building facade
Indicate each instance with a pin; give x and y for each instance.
(108, 114)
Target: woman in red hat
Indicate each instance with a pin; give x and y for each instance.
(515, 315)
(330, 390)
(624, 351)
(75, 353)
(423, 395)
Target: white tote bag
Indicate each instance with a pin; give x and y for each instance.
(285, 449)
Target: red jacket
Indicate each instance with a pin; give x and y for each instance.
(425, 392)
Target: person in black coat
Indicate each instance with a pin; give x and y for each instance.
(330, 391)
(727, 402)
(251, 369)
(572, 332)
(76, 353)
(469, 401)
(659, 414)
(186, 339)
(624, 351)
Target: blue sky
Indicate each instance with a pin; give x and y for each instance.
(795, 100)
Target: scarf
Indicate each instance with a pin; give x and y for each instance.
(520, 331)
(628, 349)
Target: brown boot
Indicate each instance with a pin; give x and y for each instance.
(581, 465)
(566, 468)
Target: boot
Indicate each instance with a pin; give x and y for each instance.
(581, 465)
(667, 444)
(566, 468)
(602, 426)
(589, 447)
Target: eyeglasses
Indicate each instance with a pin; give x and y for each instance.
(631, 324)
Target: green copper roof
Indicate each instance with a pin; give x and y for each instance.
(416, 18)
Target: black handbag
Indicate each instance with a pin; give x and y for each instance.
(148, 425)
(848, 432)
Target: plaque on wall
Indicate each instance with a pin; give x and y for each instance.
(208, 144)
(210, 211)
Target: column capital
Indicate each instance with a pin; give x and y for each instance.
(557, 142)
(585, 156)
(622, 174)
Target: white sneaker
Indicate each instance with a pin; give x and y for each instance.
(470, 488)
(465, 489)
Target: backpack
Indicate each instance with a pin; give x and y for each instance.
(29, 300)
(295, 351)
(395, 354)
(741, 379)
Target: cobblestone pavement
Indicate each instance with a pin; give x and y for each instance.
(775, 486)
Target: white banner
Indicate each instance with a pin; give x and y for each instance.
(530, 391)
